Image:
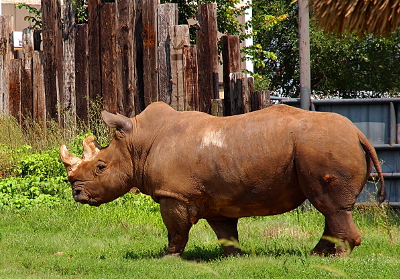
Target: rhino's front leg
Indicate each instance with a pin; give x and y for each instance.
(176, 219)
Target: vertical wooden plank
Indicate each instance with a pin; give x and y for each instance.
(94, 49)
(149, 33)
(259, 99)
(82, 72)
(26, 94)
(247, 90)
(108, 57)
(190, 77)
(26, 74)
(125, 66)
(179, 39)
(52, 51)
(27, 48)
(217, 107)
(15, 88)
(68, 98)
(236, 84)
(39, 100)
(167, 17)
(6, 55)
(231, 64)
(207, 55)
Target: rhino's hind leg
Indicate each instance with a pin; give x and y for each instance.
(176, 219)
(226, 231)
(340, 235)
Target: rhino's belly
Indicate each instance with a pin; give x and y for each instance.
(259, 204)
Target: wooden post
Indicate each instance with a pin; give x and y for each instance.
(190, 70)
(207, 55)
(14, 100)
(95, 90)
(108, 57)
(231, 64)
(240, 95)
(217, 107)
(52, 50)
(150, 68)
(82, 72)
(68, 99)
(179, 39)
(26, 74)
(125, 56)
(6, 54)
(39, 100)
(260, 99)
(167, 17)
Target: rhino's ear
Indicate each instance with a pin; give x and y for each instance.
(121, 123)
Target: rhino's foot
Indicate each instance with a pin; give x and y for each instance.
(330, 246)
(232, 251)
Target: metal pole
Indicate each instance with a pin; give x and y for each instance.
(304, 46)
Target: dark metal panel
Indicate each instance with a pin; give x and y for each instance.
(372, 119)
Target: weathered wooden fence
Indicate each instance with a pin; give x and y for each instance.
(130, 53)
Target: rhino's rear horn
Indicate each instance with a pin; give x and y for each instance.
(68, 159)
(90, 148)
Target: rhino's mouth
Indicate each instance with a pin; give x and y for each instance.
(81, 196)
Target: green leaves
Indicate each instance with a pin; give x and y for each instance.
(24, 192)
(36, 19)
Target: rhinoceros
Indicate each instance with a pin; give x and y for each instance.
(197, 166)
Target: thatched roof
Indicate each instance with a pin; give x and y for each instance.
(372, 16)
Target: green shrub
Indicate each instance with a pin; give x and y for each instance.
(41, 165)
(23, 192)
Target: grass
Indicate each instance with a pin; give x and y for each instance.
(127, 239)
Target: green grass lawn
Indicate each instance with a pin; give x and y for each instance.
(127, 239)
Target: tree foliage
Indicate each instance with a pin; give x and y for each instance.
(341, 66)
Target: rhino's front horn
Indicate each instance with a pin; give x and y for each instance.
(68, 159)
(90, 148)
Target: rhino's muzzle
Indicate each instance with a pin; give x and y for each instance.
(79, 195)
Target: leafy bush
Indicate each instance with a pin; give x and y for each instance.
(41, 165)
(23, 192)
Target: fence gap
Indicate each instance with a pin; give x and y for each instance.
(82, 73)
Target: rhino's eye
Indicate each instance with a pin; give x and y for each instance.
(100, 167)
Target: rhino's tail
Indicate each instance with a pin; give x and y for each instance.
(371, 153)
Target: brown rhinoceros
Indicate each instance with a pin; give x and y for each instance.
(223, 168)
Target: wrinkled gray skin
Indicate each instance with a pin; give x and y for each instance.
(261, 163)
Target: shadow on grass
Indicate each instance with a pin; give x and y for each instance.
(207, 254)
(148, 254)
